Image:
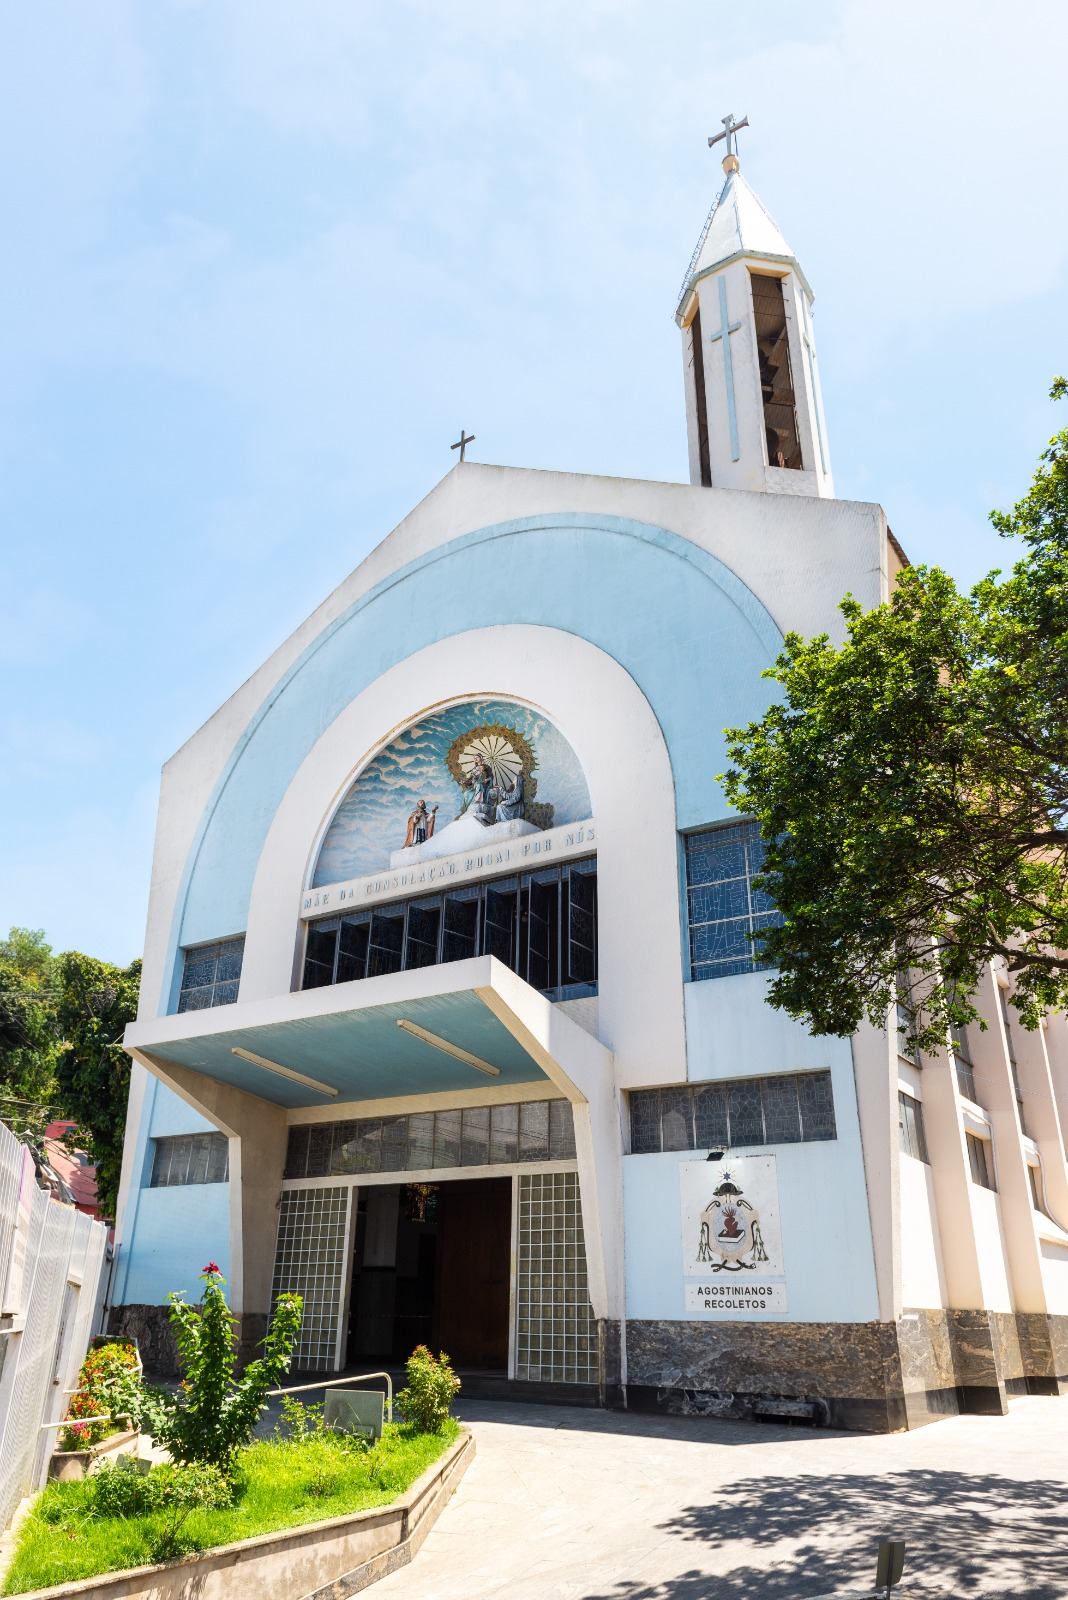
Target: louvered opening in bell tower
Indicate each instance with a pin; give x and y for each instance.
(776, 376)
(697, 359)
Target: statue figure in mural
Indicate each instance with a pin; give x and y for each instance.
(484, 796)
(420, 825)
(511, 805)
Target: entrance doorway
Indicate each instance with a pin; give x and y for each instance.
(432, 1265)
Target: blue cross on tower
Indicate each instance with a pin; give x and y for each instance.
(724, 332)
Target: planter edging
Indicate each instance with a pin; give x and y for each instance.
(85, 1458)
(416, 1510)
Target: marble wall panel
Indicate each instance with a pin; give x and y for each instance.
(925, 1347)
(819, 1359)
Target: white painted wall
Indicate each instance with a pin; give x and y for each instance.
(830, 1275)
(798, 556)
(752, 471)
(640, 988)
(922, 1278)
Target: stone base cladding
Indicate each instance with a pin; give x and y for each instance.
(150, 1326)
(869, 1376)
(850, 1369)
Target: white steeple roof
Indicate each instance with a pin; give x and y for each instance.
(738, 225)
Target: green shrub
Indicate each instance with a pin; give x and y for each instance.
(431, 1388)
(120, 1489)
(214, 1413)
(299, 1421)
(169, 1492)
(175, 1491)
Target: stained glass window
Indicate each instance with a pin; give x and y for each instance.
(724, 909)
(211, 974)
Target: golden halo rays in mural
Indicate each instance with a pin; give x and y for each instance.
(505, 751)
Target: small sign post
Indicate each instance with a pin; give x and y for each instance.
(891, 1564)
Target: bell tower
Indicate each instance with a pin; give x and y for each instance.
(754, 415)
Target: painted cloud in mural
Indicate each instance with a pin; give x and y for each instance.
(371, 820)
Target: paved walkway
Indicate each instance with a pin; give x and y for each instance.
(563, 1504)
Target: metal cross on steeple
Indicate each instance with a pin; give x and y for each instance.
(462, 442)
(730, 128)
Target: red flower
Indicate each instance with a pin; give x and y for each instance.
(211, 1267)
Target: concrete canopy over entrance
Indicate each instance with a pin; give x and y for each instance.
(346, 1038)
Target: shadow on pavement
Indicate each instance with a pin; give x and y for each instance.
(965, 1534)
(641, 1424)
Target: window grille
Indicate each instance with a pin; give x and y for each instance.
(313, 1227)
(790, 1108)
(723, 907)
(476, 1136)
(981, 1161)
(190, 1158)
(556, 1333)
(211, 974)
(912, 1138)
(541, 924)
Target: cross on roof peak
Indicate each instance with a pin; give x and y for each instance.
(462, 442)
(730, 128)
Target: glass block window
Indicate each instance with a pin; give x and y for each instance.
(790, 1108)
(476, 1136)
(313, 1226)
(722, 906)
(190, 1158)
(541, 924)
(911, 1136)
(556, 1333)
(211, 974)
(980, 1161)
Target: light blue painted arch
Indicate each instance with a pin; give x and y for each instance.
(688, 631)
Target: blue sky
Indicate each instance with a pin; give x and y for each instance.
(262, 261)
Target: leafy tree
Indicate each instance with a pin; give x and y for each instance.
(28, 1041)
(96, 1001)
(913, 786)
(214, 1413)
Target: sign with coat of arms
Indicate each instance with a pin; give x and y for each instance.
(731, 1240)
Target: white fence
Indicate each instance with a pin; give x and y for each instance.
(52, 1260)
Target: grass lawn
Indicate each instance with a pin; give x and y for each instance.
(284, 1484)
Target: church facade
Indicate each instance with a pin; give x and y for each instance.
(453, 1018)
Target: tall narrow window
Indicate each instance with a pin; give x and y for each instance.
(724, 908)
(980, 1161)
(906, 1021)
(697, 355)
(776, 378)
(1013, 1068)
(962, 1055)
(1034, 1178)
(911, 1136)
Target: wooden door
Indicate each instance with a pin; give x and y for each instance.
(471, 1272)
